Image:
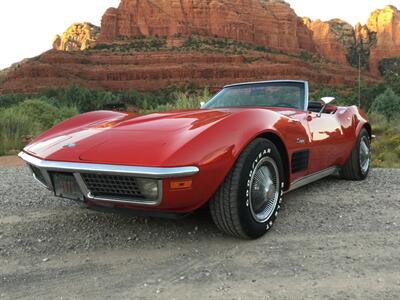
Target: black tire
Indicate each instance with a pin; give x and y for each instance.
(353, 169)
(232, 208)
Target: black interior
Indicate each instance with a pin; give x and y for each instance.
(314, 106)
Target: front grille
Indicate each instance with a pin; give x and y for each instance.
(112, 185)
(38, 174)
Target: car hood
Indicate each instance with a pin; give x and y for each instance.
(128, 139)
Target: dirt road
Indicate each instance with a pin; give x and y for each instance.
(333, 240)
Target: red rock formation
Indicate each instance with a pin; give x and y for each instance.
(331, 39)
(146, 71)
(385, 23)
(362, 34)
(270, 23)
(79, 36)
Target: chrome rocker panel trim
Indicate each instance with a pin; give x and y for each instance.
(312, 178)
(77, 168)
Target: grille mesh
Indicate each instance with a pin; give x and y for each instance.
(112, 185)
(38, 174)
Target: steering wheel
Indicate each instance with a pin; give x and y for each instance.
(285, 105)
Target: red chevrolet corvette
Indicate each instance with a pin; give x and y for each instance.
(239, 153)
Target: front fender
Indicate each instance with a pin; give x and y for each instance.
(215, 150)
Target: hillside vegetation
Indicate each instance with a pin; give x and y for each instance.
(25, 116)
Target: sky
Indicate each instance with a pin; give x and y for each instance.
(28, 27)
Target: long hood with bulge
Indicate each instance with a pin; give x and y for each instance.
(125, 139)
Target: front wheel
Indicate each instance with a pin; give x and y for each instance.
(247, 203)
(358, 165)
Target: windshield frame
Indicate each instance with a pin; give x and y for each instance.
(305, 83)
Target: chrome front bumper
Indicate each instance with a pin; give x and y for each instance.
(45, 166)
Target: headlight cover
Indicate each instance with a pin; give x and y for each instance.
(148, 188)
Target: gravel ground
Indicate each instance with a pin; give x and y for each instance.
(334, 240)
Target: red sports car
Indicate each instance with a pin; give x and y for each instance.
(240, 153)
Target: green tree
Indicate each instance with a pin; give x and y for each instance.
(387, 104)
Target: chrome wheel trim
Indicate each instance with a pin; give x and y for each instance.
(264, 190)
(365, 154)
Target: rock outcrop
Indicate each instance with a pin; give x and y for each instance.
(148, 44)
(385, 25)
(269, 23)
(367, 44)
(147, 71)
(78, 37)
(330, 40)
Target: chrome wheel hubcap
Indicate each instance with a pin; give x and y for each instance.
(264, 189)
(365, 154)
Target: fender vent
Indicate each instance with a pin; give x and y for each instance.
(300, 161)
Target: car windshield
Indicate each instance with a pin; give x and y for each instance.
(264, 94)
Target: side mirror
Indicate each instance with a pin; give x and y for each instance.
(326, 101)
(202, 104)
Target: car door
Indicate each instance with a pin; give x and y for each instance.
(299, 143)
(327, 140)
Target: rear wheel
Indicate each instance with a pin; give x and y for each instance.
(247, 203)
(358, 165)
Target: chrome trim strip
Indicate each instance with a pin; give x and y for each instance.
(312, 178)
(41, 183)
(79, 180)
(306, 88)
(306, 95)
(265, 81)
(146, 172)
(45, 175)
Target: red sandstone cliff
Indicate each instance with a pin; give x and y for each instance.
(270, 23)
(338, 41)
(385, 23)
(327, 41)
(146, 71)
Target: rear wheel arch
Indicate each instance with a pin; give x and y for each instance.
(368, 127)
(363, 125)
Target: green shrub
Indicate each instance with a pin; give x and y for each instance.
(28, 118)
(43, 114)
(14, 124)
(12, 99)
(390, 66)
(386, 146)
(387, 104)
(152, 43)
(312, 57)
(181, 101)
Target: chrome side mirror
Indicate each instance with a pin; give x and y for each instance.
(326, 101)
(202, 104)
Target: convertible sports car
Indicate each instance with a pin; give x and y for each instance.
(240, 153)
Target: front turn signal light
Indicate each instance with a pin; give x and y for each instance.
(180, 184)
